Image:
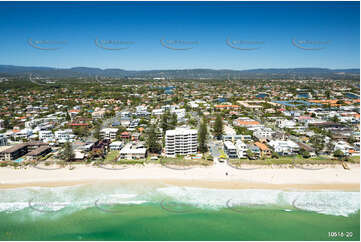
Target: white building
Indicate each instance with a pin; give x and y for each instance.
(181, 141)
(265, 133)
(284, 123)
(109, 133)
(157, 112)
(133, 151)
(23, 134)
(344, 147)
(46, 135)
(64, 136)
(241, 148)
(141, 108)
(284, 147)
(181, 113)
(230, 149)
(116, 145)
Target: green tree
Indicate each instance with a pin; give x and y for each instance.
(250, 154)
(218, 126)
(334, 119)
(164, 122)
(173, 120)
(81, 131)
(68, 118)
(305, 154)
(97, 131)
(68, 153)
(152, 141)
(318, 143)
(338, 154)
(202, 136)
(7, 123)
(275, 155)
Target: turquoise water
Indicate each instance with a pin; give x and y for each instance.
(161, 212)
(19, 160)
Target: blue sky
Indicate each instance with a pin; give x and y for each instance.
(203, 28)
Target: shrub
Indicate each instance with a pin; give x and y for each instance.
(275, 155)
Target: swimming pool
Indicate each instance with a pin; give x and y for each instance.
(19, 160)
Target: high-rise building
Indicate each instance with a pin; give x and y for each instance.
(181, 141)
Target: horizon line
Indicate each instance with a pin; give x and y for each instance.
(195, 68)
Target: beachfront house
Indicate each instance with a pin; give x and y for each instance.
(133, 151)
(264, 150)
(230, 149)
(284, 147)
(241, 148)
(344, 147)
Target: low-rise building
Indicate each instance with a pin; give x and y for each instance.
(241, 148)
(14, 152)
(284, 123)
(264, 134)
(133, 151)
(284, 147)
(230, 149)
(264, 150)
(63, 136)
(116, 145)
(109, 133)
(39, 152)
(344, 147)
(46, 135)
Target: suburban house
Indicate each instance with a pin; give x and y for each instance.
(284, 123)
(264, 134)
(109, 133)
(116, 145)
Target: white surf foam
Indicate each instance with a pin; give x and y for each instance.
(84, 196)
(325, 202)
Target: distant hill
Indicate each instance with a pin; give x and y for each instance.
(273, 73)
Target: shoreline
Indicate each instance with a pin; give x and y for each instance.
(218, 176)
(351, 187)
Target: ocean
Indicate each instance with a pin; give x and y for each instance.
(139, 211)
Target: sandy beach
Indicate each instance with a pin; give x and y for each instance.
(329, 177)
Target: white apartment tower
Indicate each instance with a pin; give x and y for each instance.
(181, 141)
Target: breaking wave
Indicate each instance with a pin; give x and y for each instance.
(42, 199)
